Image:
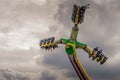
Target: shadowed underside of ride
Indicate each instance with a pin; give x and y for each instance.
(71, 44)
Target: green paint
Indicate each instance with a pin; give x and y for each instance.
(69, 49)
(79, 44)
(65, 40)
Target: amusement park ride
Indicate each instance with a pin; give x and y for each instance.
(72, 44)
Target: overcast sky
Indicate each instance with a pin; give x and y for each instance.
(23, 23)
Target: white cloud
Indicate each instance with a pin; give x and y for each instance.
(98, 1)
(39, 2)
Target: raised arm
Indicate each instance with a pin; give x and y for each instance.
(50, 43)
(77, 17)
(94, 53)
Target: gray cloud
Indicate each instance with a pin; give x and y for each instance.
(25, 22)
(7, 74)
(47, 76)
(10, 75)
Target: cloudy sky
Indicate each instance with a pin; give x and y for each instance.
(23, 23)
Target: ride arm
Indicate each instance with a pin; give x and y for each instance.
(50, 43)
(77, 17)
(94, 53)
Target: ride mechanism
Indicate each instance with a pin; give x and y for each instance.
(72, 44)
